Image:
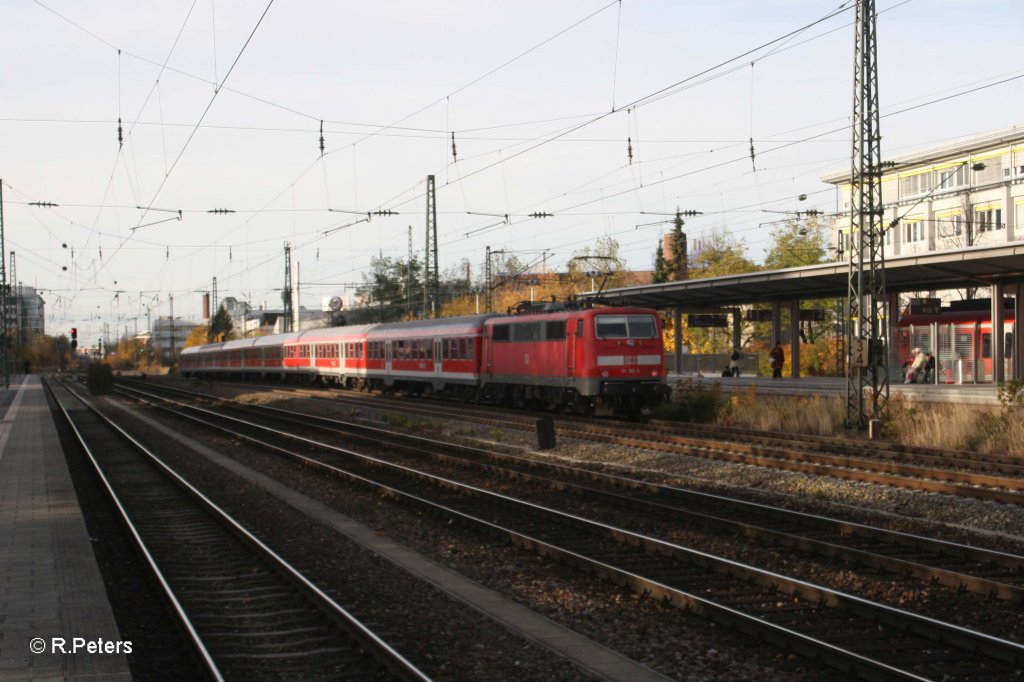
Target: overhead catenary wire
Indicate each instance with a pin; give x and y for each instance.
(195, 128)
(913, 107)
(120, 147)
(209, 104)
(492, 71)
(503, 169)
(541, 141)
(615, 62)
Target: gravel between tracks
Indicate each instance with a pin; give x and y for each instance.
(952, 518)
(643, 631)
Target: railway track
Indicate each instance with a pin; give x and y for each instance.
(248, 613)
(853, 634)
(962, 474)
(967, 568)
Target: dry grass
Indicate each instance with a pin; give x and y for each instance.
(938, 425)
(998, 430)
(792, 414)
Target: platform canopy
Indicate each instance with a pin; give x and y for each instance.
(935, 271)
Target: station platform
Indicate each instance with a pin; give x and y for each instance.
(51, 590)
(963, 394)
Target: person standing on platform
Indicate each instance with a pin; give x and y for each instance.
(734, 362)
(777, 358)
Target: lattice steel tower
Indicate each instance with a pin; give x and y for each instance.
(867, 386)
(286, 292)
(431, 277)
(5, 295)
(15, 302)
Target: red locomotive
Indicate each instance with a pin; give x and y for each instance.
(590, 361)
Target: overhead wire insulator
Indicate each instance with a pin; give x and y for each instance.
(629, 150)
(540, 215)
(120, 133)
(454, 155)
(221, 210)
(321, 138)
(752, 164)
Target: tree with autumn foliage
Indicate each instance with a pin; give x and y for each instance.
(198, 336)
(799, 242)
(720, 254)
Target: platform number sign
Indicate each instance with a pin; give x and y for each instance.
(859, 353)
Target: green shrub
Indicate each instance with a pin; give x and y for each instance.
(405, 422)
(693, 402)
(99, 378)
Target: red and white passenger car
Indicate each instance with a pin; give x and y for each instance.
(603, 359)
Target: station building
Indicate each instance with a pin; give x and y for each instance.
(29, 311)
(959, 195)
(953, 219)
(168, 337)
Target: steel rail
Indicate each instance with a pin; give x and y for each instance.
(380, 649)
(195, 640)
(661, 494)
(775, 451)
(997, 649)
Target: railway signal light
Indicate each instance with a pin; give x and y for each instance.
(74, 338)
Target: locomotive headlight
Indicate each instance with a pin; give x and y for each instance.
(604, 374)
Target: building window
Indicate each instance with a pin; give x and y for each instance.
(952, 179)
(914, 232)
(915, 184)
(988, 220)
(951, 226)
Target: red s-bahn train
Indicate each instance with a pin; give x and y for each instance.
(598, 360)
(960, 336)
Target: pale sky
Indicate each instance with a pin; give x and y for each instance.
(540, 96)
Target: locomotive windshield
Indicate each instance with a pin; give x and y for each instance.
(626, 327)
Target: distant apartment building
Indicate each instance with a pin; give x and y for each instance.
(168, 337)
(30, 309)
(968, 193)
